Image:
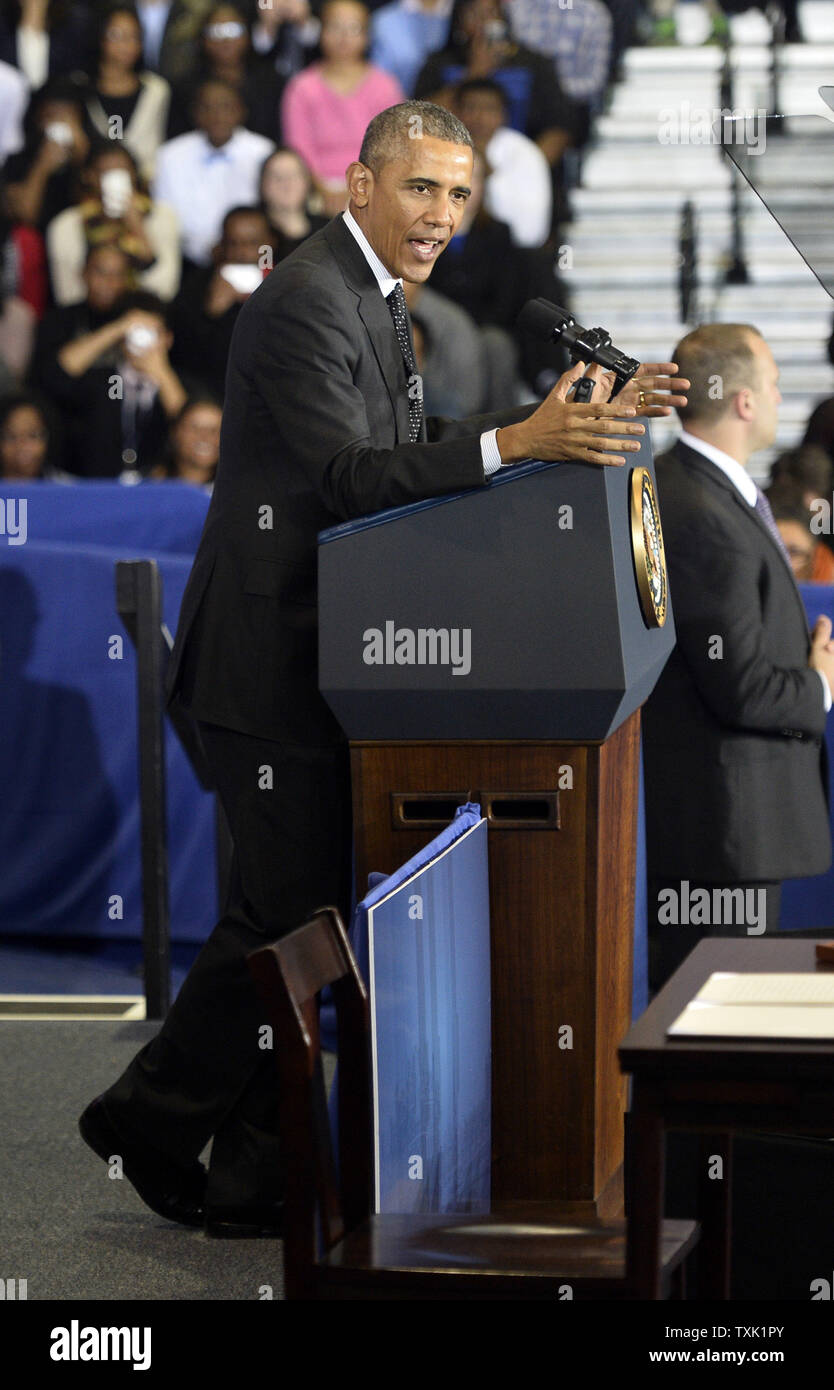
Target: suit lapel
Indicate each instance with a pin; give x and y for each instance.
(376, 317)
(697, 462)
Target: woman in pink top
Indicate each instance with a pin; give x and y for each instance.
(326, 107)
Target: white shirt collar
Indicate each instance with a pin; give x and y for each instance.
(212, 152)
(731, 467)
(387, 283)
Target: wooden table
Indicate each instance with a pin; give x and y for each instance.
(719, 1088)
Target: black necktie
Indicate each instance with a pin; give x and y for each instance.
(399, 313)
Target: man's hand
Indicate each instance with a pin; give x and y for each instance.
(659, 386)
(561, 429)
(821, 657)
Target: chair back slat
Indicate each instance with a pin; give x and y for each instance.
(289, 975)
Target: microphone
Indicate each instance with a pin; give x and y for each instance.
(555, 325)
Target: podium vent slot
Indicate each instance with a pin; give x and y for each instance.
(522, 811)
(425, 810)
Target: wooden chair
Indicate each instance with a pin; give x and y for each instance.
(334, 1247)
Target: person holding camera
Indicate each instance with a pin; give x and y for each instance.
(41, 179)
(115, 210)
(119, 392)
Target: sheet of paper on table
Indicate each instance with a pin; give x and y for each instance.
(739, 1005)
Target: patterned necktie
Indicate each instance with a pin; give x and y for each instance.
(399, 313)
(763, 508)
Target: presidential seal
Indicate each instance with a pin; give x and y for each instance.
(647, 548)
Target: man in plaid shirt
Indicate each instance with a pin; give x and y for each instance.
(575, 33)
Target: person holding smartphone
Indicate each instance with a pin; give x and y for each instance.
(204, 314)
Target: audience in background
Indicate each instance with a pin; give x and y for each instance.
(170, 36)
(811, 562)
(211, 169)
(193, 444)
(106, 281)
(286, 32)
(807, 469)
(23, 278)
(326, 108)
(405, 33)
(14, 98)
(819, 431)
(119, 391)
(578, 37)
(481, 45)
(44, 38)
(227, 55)
(205, 312)
(518, 186)
(114, 210)
(800, 479)
(28, 440)
(285, 188)
(124, 103)
(18, 324)
(41, 179)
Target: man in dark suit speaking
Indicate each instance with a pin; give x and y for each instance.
(736, 795)
(323, 421)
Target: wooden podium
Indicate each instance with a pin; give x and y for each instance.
(543, 732)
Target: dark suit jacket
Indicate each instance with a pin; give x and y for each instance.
(315, 431)
(735, 771)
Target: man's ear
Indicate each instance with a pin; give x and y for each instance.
(360, 181)
(744, 404)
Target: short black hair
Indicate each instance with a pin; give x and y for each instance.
(785, 508)
(145, 301)
(388, 132)
(808, 467)
(483, 84)
(243, 210)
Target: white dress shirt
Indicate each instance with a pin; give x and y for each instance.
(490, 457)
(743, 483)
(201, 182)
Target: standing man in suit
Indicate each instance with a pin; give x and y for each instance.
(736, 780)
(323, 421)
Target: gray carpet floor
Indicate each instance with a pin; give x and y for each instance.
(68, 1229)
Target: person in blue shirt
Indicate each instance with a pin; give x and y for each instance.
(405, 33)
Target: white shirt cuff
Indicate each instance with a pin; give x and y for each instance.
(490, 455)
(826, 692)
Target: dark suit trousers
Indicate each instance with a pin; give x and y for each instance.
(204, 1073)
(671, 942)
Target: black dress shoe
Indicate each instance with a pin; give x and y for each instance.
(176, 1193)
(246, 1223)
